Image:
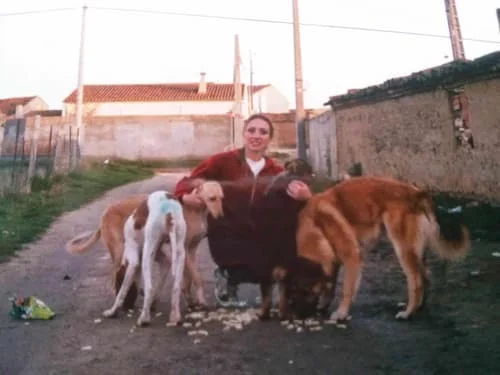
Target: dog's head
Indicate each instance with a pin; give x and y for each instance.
(211, 194)
(304, 285)
(298, 168)
(294, 169)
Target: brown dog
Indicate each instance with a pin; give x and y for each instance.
(111, 231)
(336, 223)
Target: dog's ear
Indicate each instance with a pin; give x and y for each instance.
(198, 189)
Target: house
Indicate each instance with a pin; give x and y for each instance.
(28, 104)
(199, 98)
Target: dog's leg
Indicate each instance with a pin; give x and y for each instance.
(409, 249)
(412, 269)
(195, 278)
(329, 292)
(152, 238)
(278, 276)
(186, 286)
(352, 277)
(132, 251)
(266, 289)
(164, 262)
(178, 268)
(283, 303)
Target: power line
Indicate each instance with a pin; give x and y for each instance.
(255, 20)
(40, 11)
(281, 22)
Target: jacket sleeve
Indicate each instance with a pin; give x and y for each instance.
(206, 170)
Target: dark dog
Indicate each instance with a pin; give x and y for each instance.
(278, 232)
(295, 169)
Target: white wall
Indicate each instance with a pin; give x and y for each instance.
(151, 108)
(270, 100)
(36, 104)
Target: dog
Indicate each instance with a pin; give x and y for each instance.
(146, 231)
(281, 250)
(111, 230)
(293, 169)
(336, 223)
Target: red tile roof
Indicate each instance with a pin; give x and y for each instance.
(168, 92)
(8, 105)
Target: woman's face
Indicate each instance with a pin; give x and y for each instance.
(256, 136)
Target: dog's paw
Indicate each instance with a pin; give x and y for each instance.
(322, 312)
(175, 318)
(402, 315)
(110, 313)
(144, 320)
(197, 307)
(339, 315)
(264, 316)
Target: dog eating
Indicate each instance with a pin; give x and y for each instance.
(336, 224)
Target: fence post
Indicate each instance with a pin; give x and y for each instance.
(19, 116)
(33, 151)
(70, 148)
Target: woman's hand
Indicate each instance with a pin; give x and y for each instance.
(192, 200)
(298, 190)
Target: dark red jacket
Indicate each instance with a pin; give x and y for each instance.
(241, 192)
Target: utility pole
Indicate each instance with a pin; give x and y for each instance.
(237, 129)
(498, 17)
(457, 45)
(299, 90)
(79, 93)
(250, 88)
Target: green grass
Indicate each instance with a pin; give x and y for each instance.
(24, 217)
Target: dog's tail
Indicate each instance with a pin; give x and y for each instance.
(75, 245)
(446, 233)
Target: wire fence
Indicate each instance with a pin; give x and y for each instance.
(30, 153)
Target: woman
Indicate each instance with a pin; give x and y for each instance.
(244, 173)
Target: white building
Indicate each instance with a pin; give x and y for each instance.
(199, 98)
(27, 103)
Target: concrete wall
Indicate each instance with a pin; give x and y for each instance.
(414, 138)
(323, 144)
(154, 137)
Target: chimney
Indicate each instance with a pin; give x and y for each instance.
(202, 87)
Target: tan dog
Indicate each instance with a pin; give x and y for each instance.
(336, 223)
(111, 230)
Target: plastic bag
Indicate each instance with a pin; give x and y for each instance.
(30, 308)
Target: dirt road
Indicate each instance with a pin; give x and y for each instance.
(73, 343)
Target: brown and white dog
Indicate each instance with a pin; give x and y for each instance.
(158, 220)
(336, 223)
(111, 230)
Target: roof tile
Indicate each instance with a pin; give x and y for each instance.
(156, 92)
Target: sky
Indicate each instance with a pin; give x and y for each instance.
(39, 52)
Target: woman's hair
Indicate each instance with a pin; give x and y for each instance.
(264, 118)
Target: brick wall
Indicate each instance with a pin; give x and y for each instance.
(284, 129)
(414, 138)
